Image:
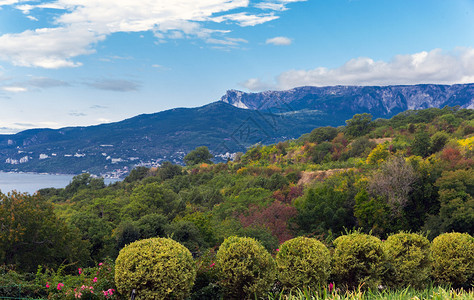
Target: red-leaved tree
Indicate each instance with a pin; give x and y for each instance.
(275, 217)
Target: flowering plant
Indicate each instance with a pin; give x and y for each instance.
(86, 283)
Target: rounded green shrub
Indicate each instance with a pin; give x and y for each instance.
(358, 260)
(408, 257)
(303, 262)
(453, 259)
(157, 268)
(246, 269)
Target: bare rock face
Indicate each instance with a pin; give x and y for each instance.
(381, 101)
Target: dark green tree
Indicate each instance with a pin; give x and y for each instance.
(320, 151)
(83, 181)
(438, 141)
(31, 234)
(152, 198)
(421, 145)
(96, 231)
(372, 213)
(152, 225)
(186, 233)
(126, 233)
(322, 209)
(360, 146)
(322, 134)
(168, 170)
(456, 191)
(198, 156)
(359, 125)
(136, 174)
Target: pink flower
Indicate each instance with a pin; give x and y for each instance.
(80, 271)
(278, 250)
(60, 285)
(212, 265)
(47, 285)
(100, 264)
(331, 286)
(108, 293)
(95, 279)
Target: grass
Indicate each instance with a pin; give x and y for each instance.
(432, 293)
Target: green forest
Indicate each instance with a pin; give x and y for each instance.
(411, 173)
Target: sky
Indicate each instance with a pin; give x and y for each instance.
(85, 62)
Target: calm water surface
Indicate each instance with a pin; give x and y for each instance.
(30, 183)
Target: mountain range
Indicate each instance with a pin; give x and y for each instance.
(232, 124)
(380, 101)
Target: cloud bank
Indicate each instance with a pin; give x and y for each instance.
(79, 25)
(116, 85)
(35, 83)
(435, 66)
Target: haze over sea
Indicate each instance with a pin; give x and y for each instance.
(30, 183)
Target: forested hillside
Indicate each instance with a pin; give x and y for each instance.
(412, 172)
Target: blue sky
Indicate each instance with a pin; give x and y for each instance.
(75, 62)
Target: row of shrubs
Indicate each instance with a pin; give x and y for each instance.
(161, 268)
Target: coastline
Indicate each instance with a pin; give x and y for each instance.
(61, 174)
(31, 182)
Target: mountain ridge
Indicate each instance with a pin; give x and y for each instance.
(227, 126)
(379, 100)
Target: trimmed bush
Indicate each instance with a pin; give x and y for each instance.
(408, 257)
(303, 263)
(246, 269)
(358, 259)
(157, 268)
(453, 259)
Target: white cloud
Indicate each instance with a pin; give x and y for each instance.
(26, 8)
(245, 19)
(49, 48)
(271, 6)
(279, 41)
(14, 89)
(278, 5)
(226, 41)
(435, 66)
(255, 84)
(160, 67)
(80, 24)
(103, 120)
(8, 2)
(109, 16)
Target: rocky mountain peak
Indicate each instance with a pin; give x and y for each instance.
(382, 101)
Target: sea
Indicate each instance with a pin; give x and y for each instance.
(30, 182)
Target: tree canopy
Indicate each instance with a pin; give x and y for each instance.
(198, 156)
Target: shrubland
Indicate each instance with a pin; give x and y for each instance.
(411, 173)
